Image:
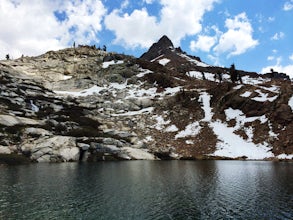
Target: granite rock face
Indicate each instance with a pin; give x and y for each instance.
(87, 104)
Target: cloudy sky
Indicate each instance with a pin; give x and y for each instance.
(256, 35)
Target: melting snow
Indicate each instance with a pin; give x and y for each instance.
(112, 62)
(290, 102)
(143, 72)
(285, 156)
(233, 146)
(254, 81)
(198, 75)
(273, 88)
(161, 122)
(164, 61)
(262, 97)
(205, 98)
(246, 94)
(64, 77)
(190, 130)
(86, 92)
(241, 119)
(189, 142)
(238, 87)
(198, 63)
(171, 128)
(139, 112)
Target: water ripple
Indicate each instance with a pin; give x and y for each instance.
(148, 190)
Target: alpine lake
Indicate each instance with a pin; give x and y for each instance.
(148, 190)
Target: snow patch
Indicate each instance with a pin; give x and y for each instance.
(143, 72)
(160, 122)
(233, 146)
(240, 117)
(199, 75)
(205, 99)
(285, 156)
(112, 62)
(172, 128)
(246, 94)
(198, 63)
(238, 87)
(64, 77)
(190, 130)
(86, 92)
(262, 97)
(164, 61)
(189, 142)
(139, 112)
(290, 103)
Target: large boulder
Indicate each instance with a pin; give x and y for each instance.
(52, 149)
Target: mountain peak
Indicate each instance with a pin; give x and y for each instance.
(158, 48)
(165, 42)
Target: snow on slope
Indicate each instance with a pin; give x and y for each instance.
(290, 103)
(198, 63)
(262, 97)
(230, 144)
(112, 62)
(164, 61)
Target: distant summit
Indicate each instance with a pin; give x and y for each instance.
(159, 48)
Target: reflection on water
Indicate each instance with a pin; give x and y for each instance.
(148, 190)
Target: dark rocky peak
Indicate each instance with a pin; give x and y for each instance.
(159, 48)
(164, 43)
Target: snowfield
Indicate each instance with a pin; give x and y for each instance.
(229, 143)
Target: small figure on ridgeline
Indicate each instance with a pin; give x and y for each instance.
(203, 76)
(233, 73)
(219, 74)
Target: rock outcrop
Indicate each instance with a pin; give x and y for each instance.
(84, 104)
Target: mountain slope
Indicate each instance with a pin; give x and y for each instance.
(87, 104)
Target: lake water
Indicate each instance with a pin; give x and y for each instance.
(148, 190)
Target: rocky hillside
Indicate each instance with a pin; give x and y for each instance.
(86, 104)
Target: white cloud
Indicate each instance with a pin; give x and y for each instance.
(178, 19)
(238, 39)
(291, 57)
(278, 36)
(288, 5)
(148, 1)
(31, 28)
(133, 30)
(125, 4)
(270, 58)
(271, 19)
(203, 43)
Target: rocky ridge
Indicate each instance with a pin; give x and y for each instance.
(86, 104)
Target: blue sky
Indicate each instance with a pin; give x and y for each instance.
(256, 35)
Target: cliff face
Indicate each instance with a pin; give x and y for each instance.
(87, 104)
